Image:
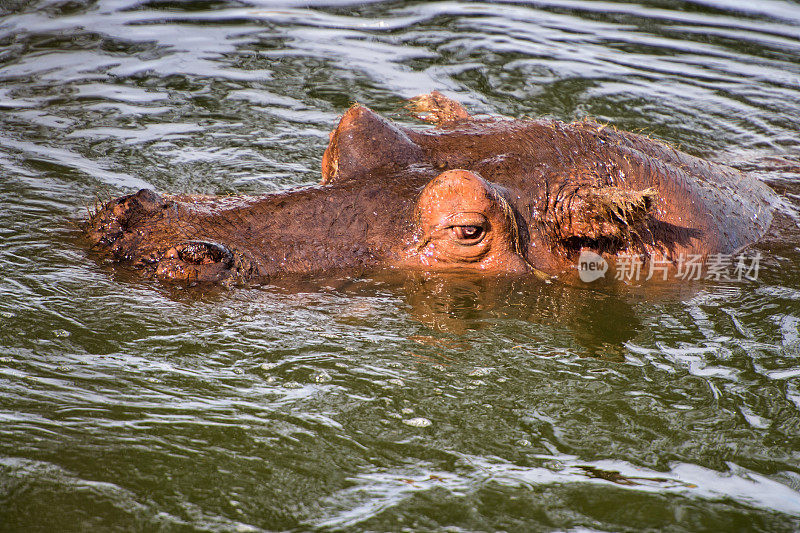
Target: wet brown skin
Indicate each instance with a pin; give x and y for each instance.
(493, 195)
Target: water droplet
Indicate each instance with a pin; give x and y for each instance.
(292, 385)
(553, 465)
(61, 333)
(523, 442)
(418, 422)
(480, 371)
(322, 377)
(268, 366)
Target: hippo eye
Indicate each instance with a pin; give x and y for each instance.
(468, 234)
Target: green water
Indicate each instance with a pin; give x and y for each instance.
(384, 404)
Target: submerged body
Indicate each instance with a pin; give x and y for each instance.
(493, 195)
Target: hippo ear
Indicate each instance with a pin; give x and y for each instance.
(363, 143)
(438, 109)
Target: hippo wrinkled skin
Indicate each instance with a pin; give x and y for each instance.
(494, 195)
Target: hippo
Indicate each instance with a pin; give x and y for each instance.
(490, 195)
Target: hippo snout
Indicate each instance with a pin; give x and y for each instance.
(167, 239)
(111, 221)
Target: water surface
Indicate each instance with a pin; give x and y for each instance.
(384, 404)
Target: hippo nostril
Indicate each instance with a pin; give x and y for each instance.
(202, 253)
(133, 206)
(107, 239)
(148, 200)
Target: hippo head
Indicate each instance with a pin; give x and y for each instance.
(485, 195)
(454, 220)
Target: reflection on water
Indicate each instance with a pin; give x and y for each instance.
(135, 406)
(599, 323)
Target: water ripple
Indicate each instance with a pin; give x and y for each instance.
(383, 403)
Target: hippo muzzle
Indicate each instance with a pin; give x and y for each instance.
(163, 238)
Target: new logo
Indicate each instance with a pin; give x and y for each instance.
(591, 266)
